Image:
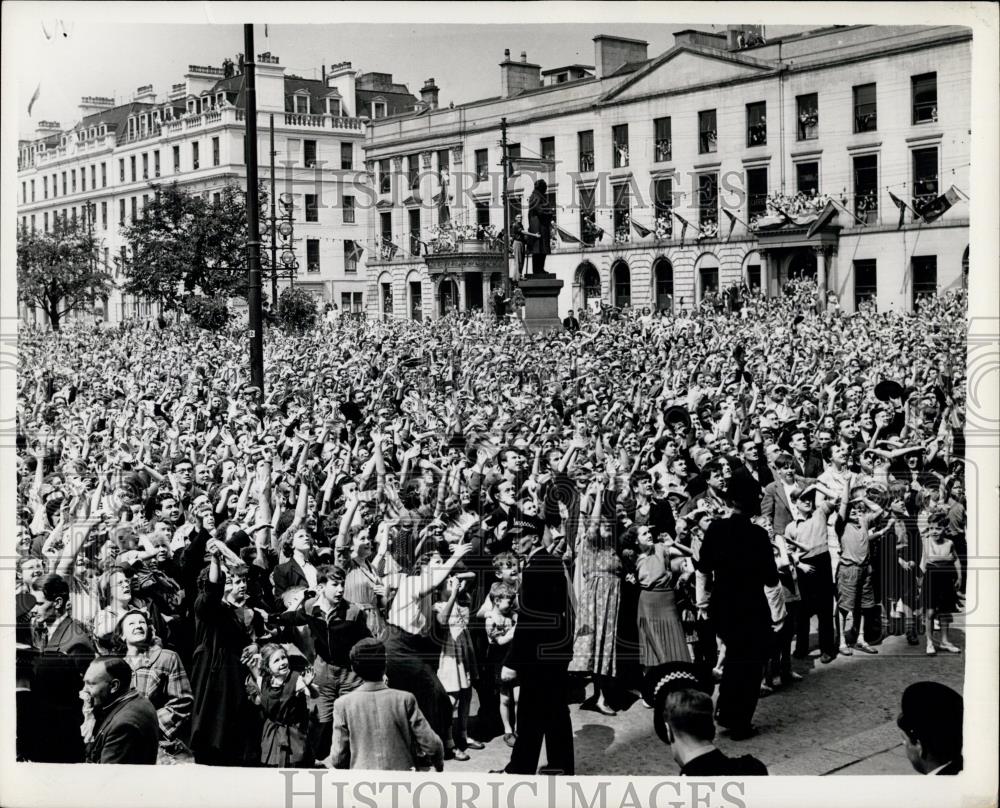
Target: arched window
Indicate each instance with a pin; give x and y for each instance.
(622, 280)
(663, 285)
(706, 276)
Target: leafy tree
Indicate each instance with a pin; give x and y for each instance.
(207, 312)
(296, 309)
(185, 245)
(58, 271)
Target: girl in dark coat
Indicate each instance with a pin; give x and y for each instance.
(282, 694)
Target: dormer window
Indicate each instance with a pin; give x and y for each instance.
(379, 109)
(191, 104)
(301, 103)
(333, 107)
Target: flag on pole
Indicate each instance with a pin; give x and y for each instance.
(733, 219)
(825, 216)
(34, 98)
(569, 238)
(642, 230)
(936, 208)
(903, 207)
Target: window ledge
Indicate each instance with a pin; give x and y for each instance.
(871, 144)
(707, 166)
(662, 171)
(753, 160)
(929, 137)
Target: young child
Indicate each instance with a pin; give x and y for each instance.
(456, 664)
(942, 580)
(282, 695)
(855, 589)
(500, 624)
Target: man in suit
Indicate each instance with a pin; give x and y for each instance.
(539, 656)
(737, 558)
(377, 727)
(807, 463)
(65, 650)
(776, 506)
(571, 324)
(750, 474)
(126, 729)
(931, 720)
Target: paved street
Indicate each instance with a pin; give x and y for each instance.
(841, 719)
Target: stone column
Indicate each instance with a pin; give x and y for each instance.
(820, 278)
(765, 272)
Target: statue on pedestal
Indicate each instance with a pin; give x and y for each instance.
(540, 217)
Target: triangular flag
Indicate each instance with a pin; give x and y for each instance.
(684, 225)
(565, 236)
(733, 219)
(34, 98)
(825, 215)
(899, 203)
(640, 229)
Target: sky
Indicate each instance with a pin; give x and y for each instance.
(74, 58)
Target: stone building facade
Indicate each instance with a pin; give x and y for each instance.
(632, 147)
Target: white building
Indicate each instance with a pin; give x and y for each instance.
(717, 123)
(194, 136)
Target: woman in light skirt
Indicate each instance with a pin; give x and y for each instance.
(658, 567)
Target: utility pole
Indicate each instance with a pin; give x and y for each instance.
(506, 205)
(274, 234)
(253, 223)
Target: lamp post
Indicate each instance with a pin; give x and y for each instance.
(253, 225)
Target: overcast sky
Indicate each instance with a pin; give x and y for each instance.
(76, 58)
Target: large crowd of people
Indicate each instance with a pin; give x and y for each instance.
(422, 536)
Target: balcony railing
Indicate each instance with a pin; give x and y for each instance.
(321, 121)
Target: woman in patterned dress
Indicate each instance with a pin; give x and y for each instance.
(364, 585)
(598, 574)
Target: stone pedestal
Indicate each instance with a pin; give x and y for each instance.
(541, 302)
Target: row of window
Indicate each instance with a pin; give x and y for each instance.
(923, 271)
(146, 166)
(865, 119)
(925, 187)
(348, 207)
(352, 251)
(310, 150)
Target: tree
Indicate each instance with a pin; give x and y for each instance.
(58, 271)
(184, 245)
(296, 309)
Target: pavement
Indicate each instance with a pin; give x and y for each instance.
(840, 719)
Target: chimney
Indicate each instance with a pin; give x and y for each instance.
(611, 52)
(518, 77)
(343, 79)
(429, 94)
(90, 104)
(46, 128)
(145, 94)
